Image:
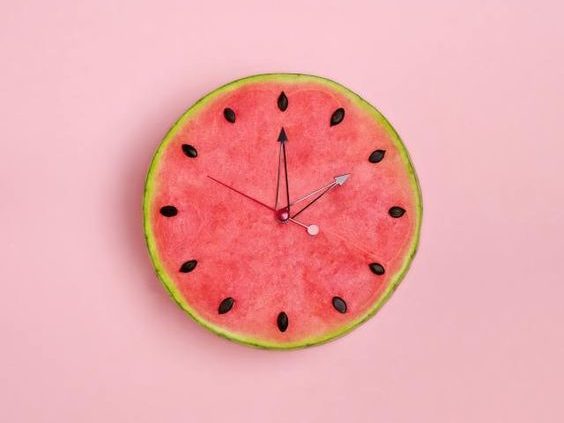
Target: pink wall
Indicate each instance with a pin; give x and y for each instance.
(475, 334)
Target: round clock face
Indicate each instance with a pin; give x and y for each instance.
(281, 210)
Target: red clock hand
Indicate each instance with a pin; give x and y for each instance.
(242, 193)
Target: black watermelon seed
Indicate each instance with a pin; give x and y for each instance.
(339, 304)
(282, 101)
(337, 116)
(282, 321)
(188, 266)
(226, 305)
(376, 156)
(377, 268)
(189, 150)
(169, 211)
(396, 212)
(229, 115)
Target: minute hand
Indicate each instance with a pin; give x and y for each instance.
(339, 180)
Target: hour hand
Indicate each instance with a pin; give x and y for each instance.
(320, 192)
(282, 168)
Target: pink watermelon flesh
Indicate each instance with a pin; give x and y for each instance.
(230, 263)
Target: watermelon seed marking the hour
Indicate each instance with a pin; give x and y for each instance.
(282, 101)
(229, 115)
(226, 305)
(337, 116)
(188, 266)
(377, 268)
(190, 151)
(339, 304)
(376, 156)
(396, 212)
(169, 211)
(282, 321)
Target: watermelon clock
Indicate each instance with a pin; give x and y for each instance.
(281, 210)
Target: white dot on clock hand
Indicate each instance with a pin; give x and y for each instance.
(310, 229)
(313, 230)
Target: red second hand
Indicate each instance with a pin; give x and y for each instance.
(242, 193)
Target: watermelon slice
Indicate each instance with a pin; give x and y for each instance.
(281, 210)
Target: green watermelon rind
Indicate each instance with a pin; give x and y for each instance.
(168, 283)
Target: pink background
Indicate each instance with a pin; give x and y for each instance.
(475, 334)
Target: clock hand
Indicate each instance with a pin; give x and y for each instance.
(314, 230)
(278, 175)
(339, 180)
(242, 193)
(282, 139)
(311, 229)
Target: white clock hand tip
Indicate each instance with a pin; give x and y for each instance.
(341, 179)
(313, 230)
(310, 229)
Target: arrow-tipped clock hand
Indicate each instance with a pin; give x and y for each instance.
(282, 165)
(286, 174)
(278, 175)
(339, 181)
(242, 193)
